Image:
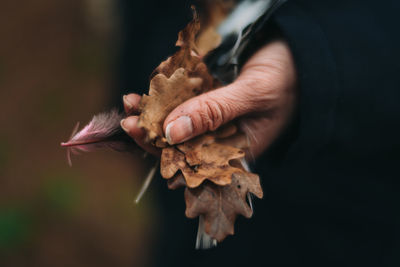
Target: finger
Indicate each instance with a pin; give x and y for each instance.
(138, 134)
(210, 110)
(131, 103)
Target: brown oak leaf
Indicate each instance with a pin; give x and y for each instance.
(220, 205)
(211, 167)
(187, 56)
(165, 94)
(238, 140)
(212, 13)
(187, 77)
(201, 159)
(187, 36)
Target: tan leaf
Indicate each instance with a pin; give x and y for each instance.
(172, 160)
(225, 131)
(238, 140)
(209, 166)
(184, 58)
(187, 36)
(207, 40)
(212, 13)
(229, 135)
(180, 77)
(220, 205)
(187, 57)
(165, 94)
(201, 159)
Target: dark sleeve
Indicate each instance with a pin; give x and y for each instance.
(331, 197)
(347, 57)
(333, 187)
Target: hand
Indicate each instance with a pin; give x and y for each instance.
(263, 98)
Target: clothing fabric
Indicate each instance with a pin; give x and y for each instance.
(332, 181)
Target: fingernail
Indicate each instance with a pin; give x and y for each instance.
(127, 103)
(179, 130)
(123, 126)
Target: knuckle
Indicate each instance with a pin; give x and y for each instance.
(211, 113)
(262, 92)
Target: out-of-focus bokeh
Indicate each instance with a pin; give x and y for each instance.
(57, 66)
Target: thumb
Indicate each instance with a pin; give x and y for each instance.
(206, 112)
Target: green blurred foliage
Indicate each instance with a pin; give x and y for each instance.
(59, 197)
(15, 227)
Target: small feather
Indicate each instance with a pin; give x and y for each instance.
(203, 240)
(103, 130)
(147, 182)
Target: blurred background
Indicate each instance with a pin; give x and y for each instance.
(61, 62)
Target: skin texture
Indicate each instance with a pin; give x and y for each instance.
(263, 99)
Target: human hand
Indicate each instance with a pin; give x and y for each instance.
(262, 98)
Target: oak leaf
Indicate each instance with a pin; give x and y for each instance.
(201, 159)
(212, 13)
(165, 94)
(211, 166)
(187, 56)
(187, 77)
(220, 205)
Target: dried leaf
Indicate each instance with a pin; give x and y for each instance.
(238, 140)
(208, 157)
(212, 166)
(184, 58)
(208, 40)
(201, 159)
(187, 37)
(187, 57)
(165, 94)
(172, 160)
(220, 205)
(205, 152)
(225, 131)
(230, 136)
(212, 13)
(187, 77)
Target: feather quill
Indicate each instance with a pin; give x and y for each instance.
(103, 130)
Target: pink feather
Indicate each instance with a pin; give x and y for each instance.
(103, 130)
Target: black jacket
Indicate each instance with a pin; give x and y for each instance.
(332, 181)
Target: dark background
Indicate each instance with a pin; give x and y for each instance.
(62, 62)
(331, 191)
